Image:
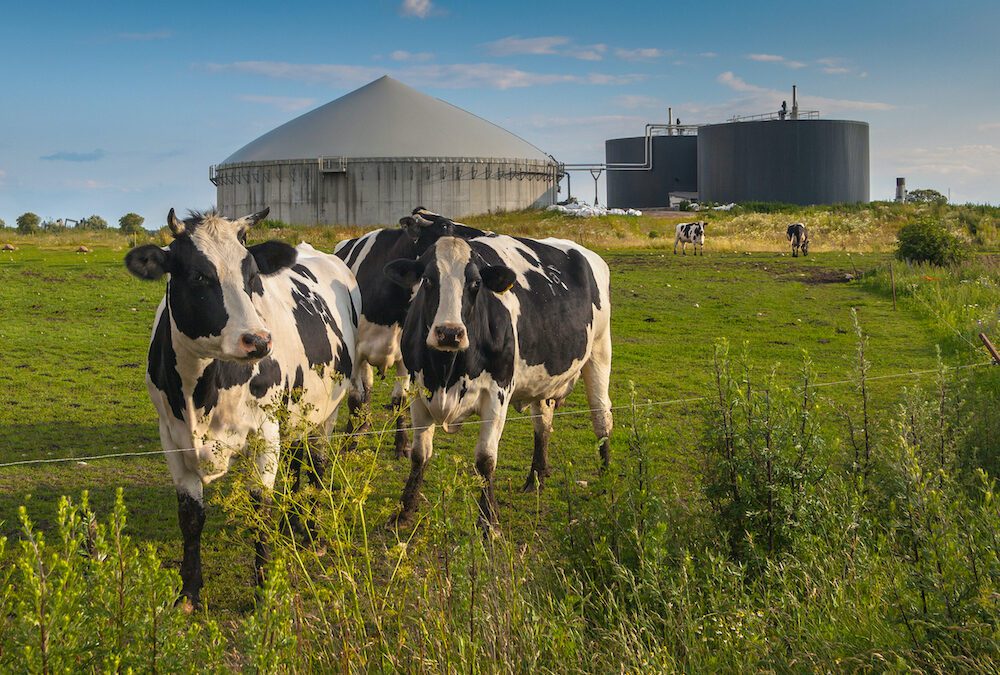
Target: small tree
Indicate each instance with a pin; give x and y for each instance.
(3, 223)
(928, 241)
(92, 223)
(54, 225)
(131, 223)
(926, 196)
(28, 223)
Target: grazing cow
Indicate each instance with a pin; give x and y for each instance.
(384, 304)
(238, 331)
(499, 320)
(800, 239)
(690, 233)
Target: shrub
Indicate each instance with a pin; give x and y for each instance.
(92, 223)
(131, 223)
(927, 241)
(54, 225)
(28, 223)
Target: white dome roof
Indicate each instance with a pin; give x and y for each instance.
(386, 118)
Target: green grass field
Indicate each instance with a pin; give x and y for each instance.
(76, 328)
(74, 331)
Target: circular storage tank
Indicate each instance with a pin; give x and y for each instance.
(674, 169)
(793, 161)
(371, 156)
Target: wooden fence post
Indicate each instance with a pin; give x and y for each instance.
(989, 346)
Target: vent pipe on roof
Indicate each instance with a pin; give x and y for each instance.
(795, 103)
(670, 121)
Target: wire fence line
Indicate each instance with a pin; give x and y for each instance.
(515, 418)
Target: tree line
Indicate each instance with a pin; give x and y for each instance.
(31, 223)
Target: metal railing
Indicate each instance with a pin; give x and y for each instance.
(801, 115)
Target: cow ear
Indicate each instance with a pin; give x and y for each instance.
(148, 262)
(498, 278)
(404, 272)
(273, 256)
(412, 226)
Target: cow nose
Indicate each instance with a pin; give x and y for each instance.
(256, 344)
(449, 336)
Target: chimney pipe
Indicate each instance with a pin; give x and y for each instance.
(795, 103)
(670, 121)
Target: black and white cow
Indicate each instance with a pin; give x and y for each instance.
(690, 233)
(239, 330)
(499, 320)
(799, 238)
(384, 303)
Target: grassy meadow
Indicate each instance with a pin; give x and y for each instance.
(651, 567)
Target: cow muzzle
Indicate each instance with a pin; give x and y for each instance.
(255, 345)
(448, 338)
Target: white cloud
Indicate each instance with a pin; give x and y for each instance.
(513, 45)
(988, 126)
(636, 101)
(708, 55)
(286, 103)
(547, 45)
(776, 58)
(417, 57)
(420, 9)
(982, 160)
(836, 70)
(764, 99)
(550, 122)
(641, 54)
(443, 76)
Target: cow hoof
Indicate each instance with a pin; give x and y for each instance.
(532, 484)
(403, 452)
(402, 519)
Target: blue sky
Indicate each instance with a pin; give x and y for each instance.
(110, 107)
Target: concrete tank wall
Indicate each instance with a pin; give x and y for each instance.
(674, 169)
(793, 161)
(379, 191)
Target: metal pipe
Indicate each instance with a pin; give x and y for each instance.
(795, 103)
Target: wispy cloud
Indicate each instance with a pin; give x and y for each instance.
(515, 46)
(776, 58)
(961, 160)
(708, 55)
(415, 57)
(67, 156)
(636, 101)
(550, 122)
(758, 99)
(640, 54)
(421, 9)
(546, 45)
(444, 76)
(286, 103)
(988, 126)
(146, 37)
(835, 65)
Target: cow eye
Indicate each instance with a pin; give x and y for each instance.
(474, 284)
(200, 278)
(428, 282)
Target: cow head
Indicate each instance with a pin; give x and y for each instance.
(424, 227)
(213, 278)
(698, 232)
(449, 279)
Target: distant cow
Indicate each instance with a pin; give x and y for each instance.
(500, 320)
(238, 330)
(799, 238)
(384, 304)
(690, 233)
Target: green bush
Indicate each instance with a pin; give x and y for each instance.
(94, 222)
(28, 223)
(928, 241)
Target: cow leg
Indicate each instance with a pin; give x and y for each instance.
(262, 498)
(541, 417)
(423, 438)
(191, 518)
(596, 378)
(494, 416)
(357, 402)
(399, 412)
(675, 245)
